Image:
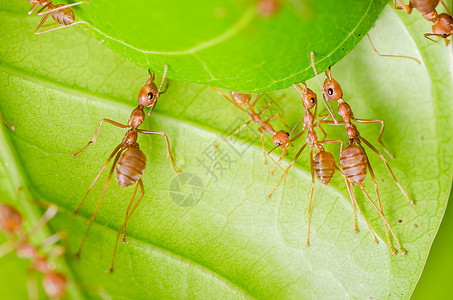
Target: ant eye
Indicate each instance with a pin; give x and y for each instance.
(330, 91)
(150, 95)
(287, 133)
(312, 100)
(277, 143)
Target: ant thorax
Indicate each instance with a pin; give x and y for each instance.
(137, 117)
(344, 110)
(130, 137)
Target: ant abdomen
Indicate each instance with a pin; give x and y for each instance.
(324, 166)
(130, 167)
(63, 16)
(353, 160)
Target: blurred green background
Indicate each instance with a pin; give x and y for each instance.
(436, 277)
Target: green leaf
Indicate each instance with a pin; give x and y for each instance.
(229, 44)
(228, 240)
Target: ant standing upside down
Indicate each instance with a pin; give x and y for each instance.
(129, 161)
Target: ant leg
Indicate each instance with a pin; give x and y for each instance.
(427, 35)
(33, 7)
(123, 227)
(127, 211)
(443, 3)
(228, 98)
(311, 195)
(142, 190)
(234, 133)
(262, 145)
(390, 55)
(287, 169)
(97, 177)
(93, 140)
(168, 145)
(295, 126)
(366, 221)
(379, 201)
(43, 19)
(254, 102)
(48, 215)
(13, 128)
(63, 26)
(278, 161)
(388, 167)
(6, 248)
(277, 165)
(32, 285)
(43, 8)
(93, 216)
(380, 133)
(385, 221)
(352, 197)
(60, 8)
(407, 8)
(273, 117)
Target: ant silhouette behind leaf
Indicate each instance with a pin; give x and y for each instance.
(128, 160)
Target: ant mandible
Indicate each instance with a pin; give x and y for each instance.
(129, 161)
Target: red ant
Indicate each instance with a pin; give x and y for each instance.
(353, 158)
(61, 13)
(11, 222)
(130, 161)
(280, 138)
(443, 23)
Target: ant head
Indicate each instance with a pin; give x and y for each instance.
(444, 26)
(240, 98)
(148, 93)
(332, 88)
(309, 98)
(54, 284)
(10, 218)
(281, 138)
